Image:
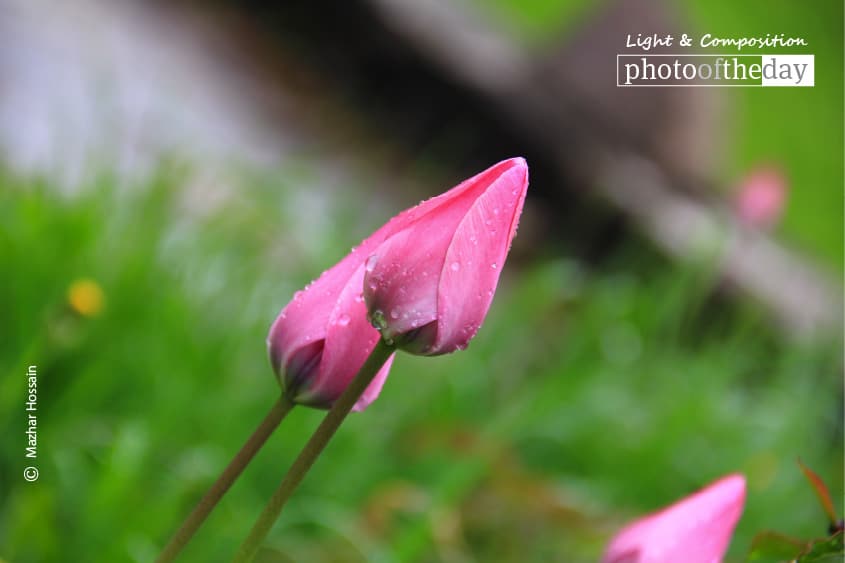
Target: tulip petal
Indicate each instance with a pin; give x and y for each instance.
(303, 321)
(402, 286)
(403, 272)
(475, 258)
(373, 390)
(697, 529)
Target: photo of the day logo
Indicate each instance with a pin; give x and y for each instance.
(648, 61)
(714, 70)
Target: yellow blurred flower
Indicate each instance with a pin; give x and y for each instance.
(85, 296)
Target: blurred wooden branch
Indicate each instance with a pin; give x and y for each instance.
(644, 152)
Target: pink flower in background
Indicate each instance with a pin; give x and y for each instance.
(428, 286)
(697, 529)
(761, 197)
(320, 340)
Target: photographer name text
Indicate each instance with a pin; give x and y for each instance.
(30, 472)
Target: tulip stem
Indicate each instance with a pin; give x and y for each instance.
(201, 511)
(312, 450)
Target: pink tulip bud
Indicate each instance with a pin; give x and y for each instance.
(322, 337)
(697, 529)
(429, 285)
(320, 340)
(761, 197)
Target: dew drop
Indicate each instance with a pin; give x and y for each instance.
(494, 265)
(495, 211)
(370, 264)
(455, 266)
(359, 298)
(343, 320)
(394, 313)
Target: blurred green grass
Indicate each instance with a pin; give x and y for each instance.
(589, 396)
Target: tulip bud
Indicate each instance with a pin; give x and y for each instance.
(429, 284)
(320, 340)
(697, 529)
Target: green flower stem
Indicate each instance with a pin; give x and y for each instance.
(312, 450)
(189, 527)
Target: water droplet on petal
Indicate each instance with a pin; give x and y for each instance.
(359, 298)
(494, 265)
(370, 264)
(343, 320)
(455, 266)
(495, 211)
(394, 313)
